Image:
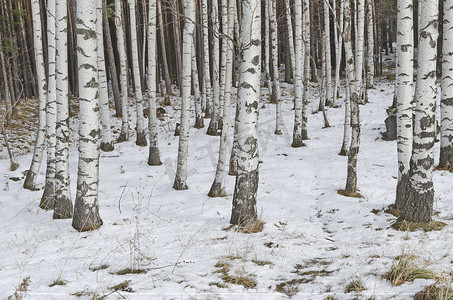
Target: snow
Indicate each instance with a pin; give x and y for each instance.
(179, 236)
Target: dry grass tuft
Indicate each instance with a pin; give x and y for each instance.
(346, 194)
(245, 281)
(355, 285)
(402, 225)
(408, 267)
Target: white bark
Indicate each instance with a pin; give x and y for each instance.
(289, 24)
(338, 31)
(404, 87)
(86, 208)
(181, 170)
(446, 106)
(298, 76)
(48, 197)
(328, 69)
(267, 58)
(63, 204)
(140, 125)
(370, 49)
(199, 123)
(154, 155)
(30, 180)
(359, 46)
(207, 90)
(418, 206)
(217, 188)
(347, 122)
(244, 199)
(106, 132)
(224, 9)
(275, 72)
(124, 135)
(306, 66)
(351, 180)
(214, 123)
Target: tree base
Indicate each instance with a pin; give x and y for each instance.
(48, 198)
(349, 194)
(217, 190)
(141, 139)
(92, 224)
(107, 147)
(63, 207)
(123, 137)
(180, 184)
(297, 142)
(199, 123)
(29, 182)
(212, 128)
(402, 225)
(304, 134)
(154, 157)
(402, 188)
(343, 152)
(278, 132)
(418, 207)
(244, 199)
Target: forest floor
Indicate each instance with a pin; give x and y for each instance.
(315, 244)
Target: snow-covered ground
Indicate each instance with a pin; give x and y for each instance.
(314, 241)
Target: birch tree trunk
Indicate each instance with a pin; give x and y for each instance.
(224, 18)
(48, 197)
(106, 132)
(124, 135)
(140, 125)
(298, 74)
(359, 46)
(267, 58)
(30, 180)
(177, 32)
(351, 179)
(199, 123)
(338, 50)
(86, 208)
(347, 122)
(289, 24)
(370, 49)
(217, 187)
(246, 186)
(418, 206)
(214, 123)
(446, 105)
(404, 87)
(306, 95)
(276, 81)
(63, 204)
(183, 149)
(207, 90)
(154, 155)
(328, 69)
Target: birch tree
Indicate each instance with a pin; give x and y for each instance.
(275, 72)
(338, 31)
(418, 206)
(199, 123)
(306, 94)
(214, 123)
(86, 208)
(298, 73)
(207, 90)
(154, 155)
(245, 190)
(370, 48)
(48, 197)
(328, 58)
(189, 26)
(217, 188)
(30, 180)
(267, 58)
(405, 78)
(360, 32)
(289, 25)
(140, 125)
(446, 105)
(63, 204)
(351, 179)
(124, 135)
(104, 110)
